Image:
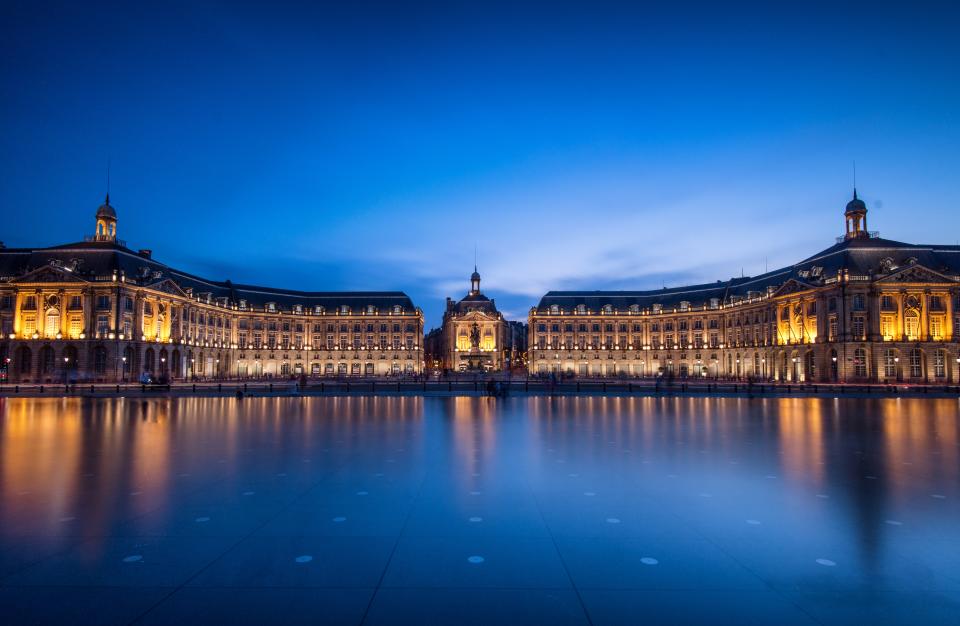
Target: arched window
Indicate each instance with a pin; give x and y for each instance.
(52, 323)
(148, 360)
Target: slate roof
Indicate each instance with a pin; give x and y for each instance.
(860, 257)
(99, 260)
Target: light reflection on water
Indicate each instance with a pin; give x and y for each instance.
(822, 471)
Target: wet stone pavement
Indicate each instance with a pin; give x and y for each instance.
(464, 510)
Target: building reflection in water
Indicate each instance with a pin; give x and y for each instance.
(117, 459)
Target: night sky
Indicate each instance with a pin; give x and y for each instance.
(359, 146)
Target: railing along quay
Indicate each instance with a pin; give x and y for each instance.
(475, 387)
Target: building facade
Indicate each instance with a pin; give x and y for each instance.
(474, 336)
(863, 310)
(98, 311)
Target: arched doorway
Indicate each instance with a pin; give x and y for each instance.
(809, 367)
(23, 361)
(100, 361)
(48, 364)
(176, 365)
(127, 362)
(148, 358)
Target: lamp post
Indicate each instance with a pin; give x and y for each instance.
(66, 360)
(123, 369)
(896, 366)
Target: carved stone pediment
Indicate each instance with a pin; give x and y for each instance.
(916, 274)
(792, 286)
(49, 274)
(168, 286)
(477, 316)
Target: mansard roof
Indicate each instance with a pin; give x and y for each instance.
(100, 260)
(864, 258)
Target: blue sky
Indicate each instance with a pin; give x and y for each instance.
(365, 146)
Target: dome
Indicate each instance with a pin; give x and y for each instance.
(856, 204)
(106, 210)
(475, 275)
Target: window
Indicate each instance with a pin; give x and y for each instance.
(916, 363)
(832, 329)
(52, 324)
(936, 327)
(911, 325)
(940, 364)
(858, 327)
(888, 303)
(860, 363)
(886, 326)
(890, 363)
(30, 303)
(103, 325)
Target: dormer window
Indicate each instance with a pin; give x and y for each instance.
(271, 307)
(397, 309)
(608, 308)
(555, 309)
(344, 309)
(371, 310)
(684, 305)
(298, 309)
(658, 308)
(634, 308)
(582, 309)
(243, 305)
(318, 310)
(714, 303)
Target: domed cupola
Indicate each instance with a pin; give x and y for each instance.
(856, 218)
(106, 222)
(475, 282)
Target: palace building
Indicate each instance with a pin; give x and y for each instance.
(474, 336)
(863, 310)
(98, 311)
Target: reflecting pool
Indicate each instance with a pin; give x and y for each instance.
(465, 510)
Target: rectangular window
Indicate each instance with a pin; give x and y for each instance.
(30, 303)
(940, 363)
(916, 364)
(858, 327)
(936, 327)
(886, 326)
(103, 325)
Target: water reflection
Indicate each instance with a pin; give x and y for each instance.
(826, 471)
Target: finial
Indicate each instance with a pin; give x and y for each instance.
(854, 179)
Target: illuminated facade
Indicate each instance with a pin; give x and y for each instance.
(474, 336)
(98, 311)
(863, 310)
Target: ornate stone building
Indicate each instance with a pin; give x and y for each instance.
(863, 310)
(473, 336)
(98, 311)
